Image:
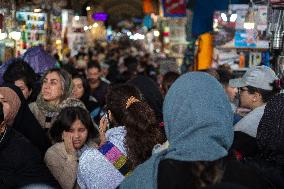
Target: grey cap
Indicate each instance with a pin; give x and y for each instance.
(259, 77)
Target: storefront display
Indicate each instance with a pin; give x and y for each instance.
(241, 31)
(33, 28)
(56, 37)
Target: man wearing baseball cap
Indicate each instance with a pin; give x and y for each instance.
(257, 86)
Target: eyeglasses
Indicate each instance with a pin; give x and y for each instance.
(242, 89)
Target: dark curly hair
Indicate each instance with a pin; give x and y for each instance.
(139, 119)
(168, 79)
(19, 69)
(67, 117)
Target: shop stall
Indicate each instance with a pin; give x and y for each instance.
(240, 36)
(33, 30)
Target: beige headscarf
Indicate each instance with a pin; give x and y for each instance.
(13, 100)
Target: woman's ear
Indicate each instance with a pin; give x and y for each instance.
(2, 127)
(257, 97)
(30, 92)
(110, 115)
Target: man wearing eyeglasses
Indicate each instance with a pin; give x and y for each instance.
(255, 88)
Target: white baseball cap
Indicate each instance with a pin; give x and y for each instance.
(259, 77)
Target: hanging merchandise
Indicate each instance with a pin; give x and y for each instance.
(33, 29)
(276, 32)
(205, 51)
(148, 6)
(56, 35)
(279, 69)
(277, 29)
(174, 8)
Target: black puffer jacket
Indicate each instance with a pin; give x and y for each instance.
(21, 163)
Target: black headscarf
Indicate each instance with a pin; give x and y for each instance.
(151, 94)
(27, 125)
(270, 132)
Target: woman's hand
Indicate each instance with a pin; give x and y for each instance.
(103, 124)
(67, 137)
(102, 128)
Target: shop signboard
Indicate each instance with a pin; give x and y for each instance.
(100, 16)
(174, 8)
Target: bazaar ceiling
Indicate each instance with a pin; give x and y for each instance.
(117, 9)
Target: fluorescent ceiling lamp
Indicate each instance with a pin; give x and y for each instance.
(37, 10)
(233, 17)
(15, 35)
(95, 25)
(224, 17)
(3, 36)
(156, 33)
(249, 25)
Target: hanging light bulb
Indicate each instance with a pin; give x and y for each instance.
(224, 17)
(233, 17)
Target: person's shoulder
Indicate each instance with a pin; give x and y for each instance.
(33, 106)
(56, 148)
(251, 174)
(89, 154)
(92, 159)
(104, 84)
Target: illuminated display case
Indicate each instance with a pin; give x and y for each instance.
(33, 29)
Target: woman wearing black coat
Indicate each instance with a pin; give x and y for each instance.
(21, 163)
(24, 121)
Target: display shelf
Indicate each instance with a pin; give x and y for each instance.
(240, 69)
(35, 31)
(33, 28)
(243, 48)
(34, 21)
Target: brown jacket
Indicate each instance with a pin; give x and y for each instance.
(62, 165)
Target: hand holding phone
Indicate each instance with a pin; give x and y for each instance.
(104, 124)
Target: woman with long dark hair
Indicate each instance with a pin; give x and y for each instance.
(81, 91)
(132, 132)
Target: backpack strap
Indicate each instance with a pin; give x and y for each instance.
(116, 157)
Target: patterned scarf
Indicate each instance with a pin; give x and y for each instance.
(51, 110)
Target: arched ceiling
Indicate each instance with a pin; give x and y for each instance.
(119, 10)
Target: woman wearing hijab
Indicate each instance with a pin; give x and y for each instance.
(199, 128)
(55, 92)
(21, 118)
(21, 164)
